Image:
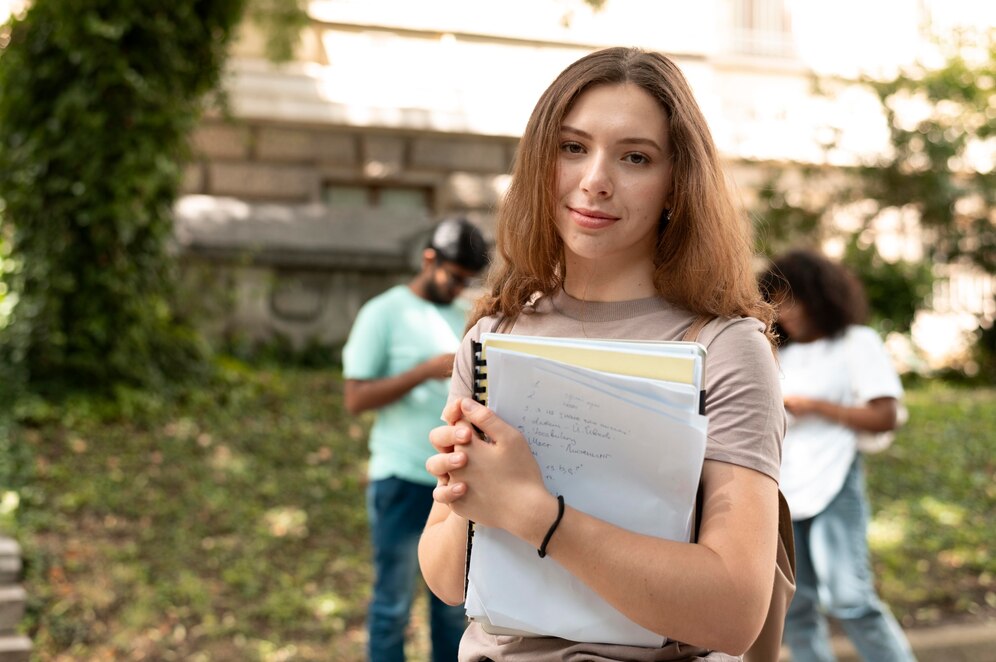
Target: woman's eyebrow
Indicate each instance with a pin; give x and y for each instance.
(635, 140)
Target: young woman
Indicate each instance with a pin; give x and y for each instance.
(618, 224)
(839, 380)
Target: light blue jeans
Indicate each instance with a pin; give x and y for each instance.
(397, 510)
(833, 578)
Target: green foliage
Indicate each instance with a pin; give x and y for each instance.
(783, 220)
(282, 21)
(931, 167)
(937, 169)
(985, 353)
(96, 100)
(895, 290)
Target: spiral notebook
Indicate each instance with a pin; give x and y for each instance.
(612, 424)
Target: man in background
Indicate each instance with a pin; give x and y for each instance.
(398, 361)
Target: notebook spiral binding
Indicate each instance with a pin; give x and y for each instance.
(480, 371)
(480, 389)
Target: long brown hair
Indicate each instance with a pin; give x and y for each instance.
(703, 257)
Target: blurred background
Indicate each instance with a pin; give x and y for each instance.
(196, 199)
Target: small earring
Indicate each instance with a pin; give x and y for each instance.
(666, 217)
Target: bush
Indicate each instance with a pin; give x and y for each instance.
(895, 290)
(96, 101)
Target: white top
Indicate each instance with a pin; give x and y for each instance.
(849, 369)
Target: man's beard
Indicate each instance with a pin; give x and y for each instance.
(438, 295)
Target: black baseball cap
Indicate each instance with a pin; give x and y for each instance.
(457, 240)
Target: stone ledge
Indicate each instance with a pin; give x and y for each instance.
(300, 235)
(10, 561)
(12, 601)
(15, 648)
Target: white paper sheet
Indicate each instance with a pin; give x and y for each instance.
(619, 449)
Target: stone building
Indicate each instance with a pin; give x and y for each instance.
(317, 190)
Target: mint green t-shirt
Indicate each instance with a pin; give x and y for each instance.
(394, 332)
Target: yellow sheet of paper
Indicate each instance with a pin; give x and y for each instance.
(679, 369)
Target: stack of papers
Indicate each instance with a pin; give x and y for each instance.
(615, 428)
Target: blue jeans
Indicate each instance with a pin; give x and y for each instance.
(833, 577)
(397, 510)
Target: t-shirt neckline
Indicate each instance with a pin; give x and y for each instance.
(606, 311)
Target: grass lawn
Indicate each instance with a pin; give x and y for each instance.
(933, 496)
(231, 525)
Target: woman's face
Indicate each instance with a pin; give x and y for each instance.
(793, 319)
(613, 175)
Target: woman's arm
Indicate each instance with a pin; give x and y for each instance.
(443, 546)
(876, 415)
(442, 553)
(713, 594)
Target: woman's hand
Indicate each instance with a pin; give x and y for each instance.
(876, 415)
(491, 482)
(503, 481)
(450, 442)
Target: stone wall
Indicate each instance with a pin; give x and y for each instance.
(265, 259)
(260, 161)
(14, 647)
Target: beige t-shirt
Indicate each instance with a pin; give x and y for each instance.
(746, 424)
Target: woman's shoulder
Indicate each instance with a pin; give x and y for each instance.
(735, 331)
(501, 323)
(862, 333)
(861, 340)
(482, 326)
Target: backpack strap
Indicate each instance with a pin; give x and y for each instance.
(767, 646)
(692, 333)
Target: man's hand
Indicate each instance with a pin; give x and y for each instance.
(439, 367)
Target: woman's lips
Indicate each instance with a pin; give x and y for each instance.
(591, 218)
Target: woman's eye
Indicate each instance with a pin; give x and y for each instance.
(571, 148)
(636, 158)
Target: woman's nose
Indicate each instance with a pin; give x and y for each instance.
(596, 180)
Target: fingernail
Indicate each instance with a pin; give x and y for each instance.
(458, 488)
(462, 434)
(457, 459)
(469, 405)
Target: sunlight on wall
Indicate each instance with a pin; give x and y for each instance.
(834, 41)
(437, 83)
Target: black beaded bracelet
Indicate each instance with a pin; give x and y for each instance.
(553, 527)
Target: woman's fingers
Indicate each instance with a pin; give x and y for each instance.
(451, 412)
(441, 464)
(451, 440)
(486, 420)
(446, 437)
(448, 493)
